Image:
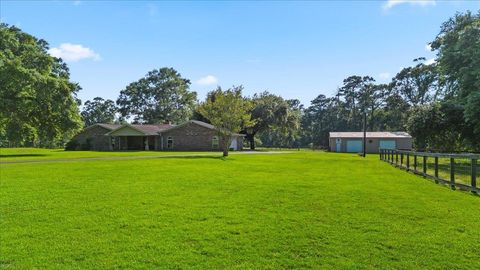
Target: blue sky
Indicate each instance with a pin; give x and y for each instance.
(295, 49)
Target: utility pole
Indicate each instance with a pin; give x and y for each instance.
(364, 133)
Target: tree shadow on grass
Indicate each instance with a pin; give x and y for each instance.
(21, 155)
(199, 157)
(113, 151)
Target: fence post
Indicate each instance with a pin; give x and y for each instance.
(474, 175)
(396, 158)
(436, 170)
(408, 162)
(424, 166)
(452, 173)
(380, 154)
(414, 162)
(401, 160)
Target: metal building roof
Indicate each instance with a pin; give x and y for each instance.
(381, 134)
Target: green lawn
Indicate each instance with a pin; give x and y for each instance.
(22, 154)
(296, 210)
(463, 168)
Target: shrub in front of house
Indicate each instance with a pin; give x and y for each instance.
(71, 145)
(87, 145)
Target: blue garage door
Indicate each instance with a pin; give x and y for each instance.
(354, 146)
(387, 144)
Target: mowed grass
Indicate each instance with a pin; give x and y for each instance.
(27, 154)
(463, 168)
(295, 210)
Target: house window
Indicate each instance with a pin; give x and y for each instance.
(169, 142)
(215, 142)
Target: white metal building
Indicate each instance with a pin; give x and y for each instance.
(352, 142)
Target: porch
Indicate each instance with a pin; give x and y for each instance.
(134, 137)
(139, 143)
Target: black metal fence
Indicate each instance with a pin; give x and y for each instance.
(457, 170)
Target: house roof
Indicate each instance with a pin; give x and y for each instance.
(203, 124)
(144, 129)
(105, 126)
(150, 130)
(109, 126)
(200, 123)
(382, 134)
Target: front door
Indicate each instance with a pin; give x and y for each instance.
(233, 145)
(338, 145)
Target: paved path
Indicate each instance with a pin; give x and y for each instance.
(138, 157)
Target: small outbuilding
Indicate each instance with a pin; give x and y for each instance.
(352, 142)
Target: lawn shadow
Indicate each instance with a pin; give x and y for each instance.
(21, 155)
(199, 157)
(98, 151)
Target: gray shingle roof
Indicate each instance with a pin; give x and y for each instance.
(152, 129)
(156, 129)
(109, 126)
(203, 124)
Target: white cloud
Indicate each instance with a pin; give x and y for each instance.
(392, 3)
(207, 80)
(73, 52)
(428, 47)
(384, 76)
(77, 3)
(430, 61)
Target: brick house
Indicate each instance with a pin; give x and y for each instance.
(190, 136)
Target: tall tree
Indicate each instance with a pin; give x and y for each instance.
(439, 127)
(458, 52)
(313, 121)
(269, 111)
(228, 111)
(392, 116)
(287, 134)
(162, 95)
(38, 104)
(371, 97)
(98, 111)
(418, 85)
(357, 92)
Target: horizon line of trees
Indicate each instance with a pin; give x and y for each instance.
(437, 103)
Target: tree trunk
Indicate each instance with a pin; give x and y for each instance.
(251, 140)
(225, 143)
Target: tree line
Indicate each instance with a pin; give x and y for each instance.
(437, 103)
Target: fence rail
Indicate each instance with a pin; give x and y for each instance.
(456, 170)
